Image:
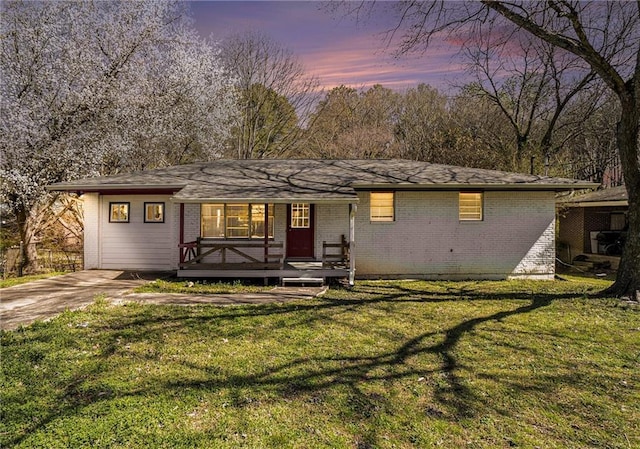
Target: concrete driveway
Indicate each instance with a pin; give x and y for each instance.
(46, 298)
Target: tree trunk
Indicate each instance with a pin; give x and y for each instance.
(29, 256)
(627, 282)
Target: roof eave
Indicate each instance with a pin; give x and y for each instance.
(477, 186)
(256, 200)
(595, 203)
(108, 187)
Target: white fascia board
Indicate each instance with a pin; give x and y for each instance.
(596, 204)
(486, 187)
(100, 188)
(266, 200)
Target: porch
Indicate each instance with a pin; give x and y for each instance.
(204, 258)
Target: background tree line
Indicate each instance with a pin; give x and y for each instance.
(532, 103)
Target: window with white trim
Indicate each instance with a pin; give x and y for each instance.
(381, 207)
(235, 220)
(470, 206)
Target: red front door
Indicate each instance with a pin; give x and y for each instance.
(300, 231)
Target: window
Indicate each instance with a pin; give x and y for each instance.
(470, 206)
(154, 212)
(257, 220)
(382, 206)
(212, 220)
(236, 220)
(300, 214)
(119, 212)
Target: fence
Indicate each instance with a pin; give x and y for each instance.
(48, 260)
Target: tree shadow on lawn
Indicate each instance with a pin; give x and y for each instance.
(302, 375)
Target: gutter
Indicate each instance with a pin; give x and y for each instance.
(92, 188)
(350, 200)
(477, 186)
(595, 203)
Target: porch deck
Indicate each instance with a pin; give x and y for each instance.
(300, 270)
(271, 264)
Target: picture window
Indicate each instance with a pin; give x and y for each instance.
(235, 220)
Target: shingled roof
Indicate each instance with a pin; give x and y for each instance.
(289, 180)
(614, 195)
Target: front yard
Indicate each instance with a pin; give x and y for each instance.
(388, 364)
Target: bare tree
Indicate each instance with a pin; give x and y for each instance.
(96, 87)
(479, 135)
(352, 124)
(532, 83)
(253, 60)
(590, 151)
(421, 123)
(605, 35)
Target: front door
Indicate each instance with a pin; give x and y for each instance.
(300, 231)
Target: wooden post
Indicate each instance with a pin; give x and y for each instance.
(181, 236)
(181, 223)
(266, 232)
(352, 244)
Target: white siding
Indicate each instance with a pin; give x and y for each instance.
(427, 240)
(91, 211)
(137, 245)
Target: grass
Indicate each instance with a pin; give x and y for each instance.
(198, 287)
(13, 281)
(385, 365)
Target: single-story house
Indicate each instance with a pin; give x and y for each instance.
(593, 223)
(323, 218)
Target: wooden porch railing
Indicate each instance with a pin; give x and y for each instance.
(335, 255)
(192, 255)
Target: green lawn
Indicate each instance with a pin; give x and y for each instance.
(388, 365)
(13, 281)
(199, 287)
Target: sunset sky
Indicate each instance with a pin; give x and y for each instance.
(337, 49)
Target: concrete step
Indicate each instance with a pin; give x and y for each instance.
(303, 281)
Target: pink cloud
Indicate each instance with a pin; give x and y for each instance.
(336, 49)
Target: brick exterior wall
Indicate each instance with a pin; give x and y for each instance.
(191, 221)
(332, 222)
(427, 240)
(571, 233)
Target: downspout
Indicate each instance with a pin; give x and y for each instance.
(352, 244)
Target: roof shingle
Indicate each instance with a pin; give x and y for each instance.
(312, 179)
